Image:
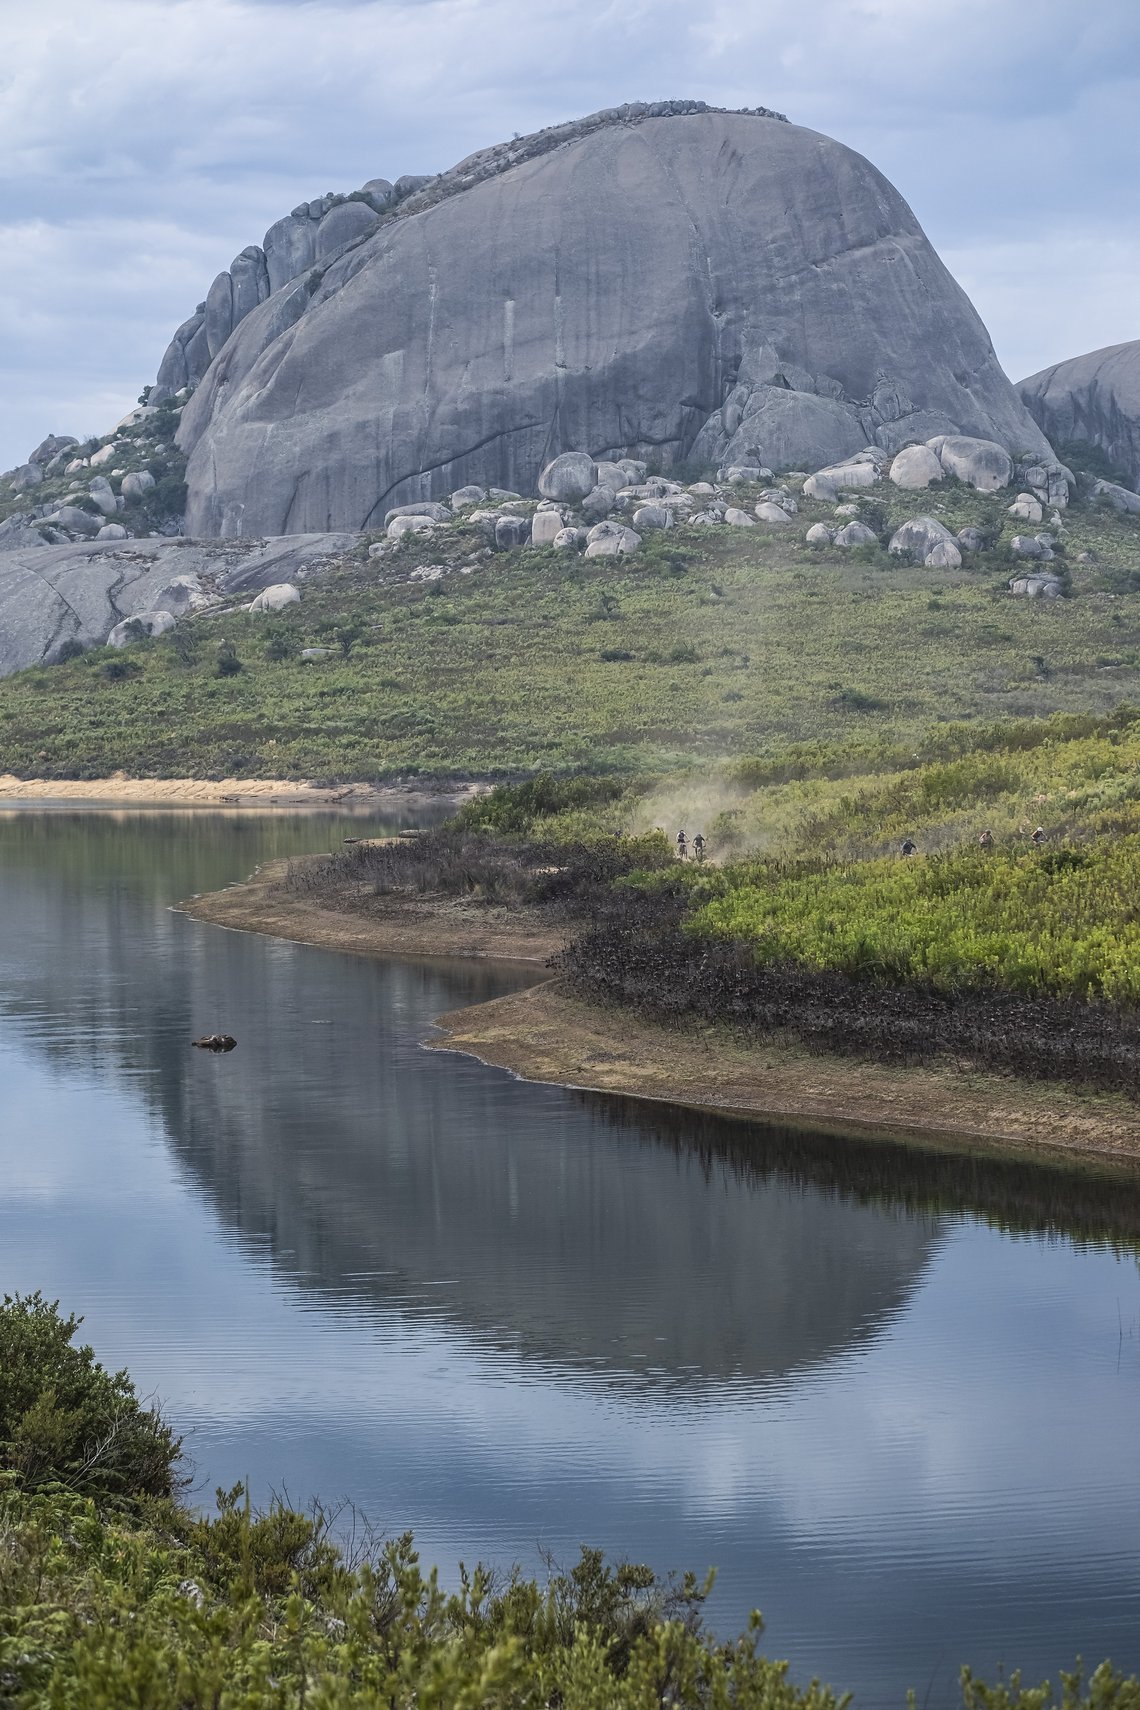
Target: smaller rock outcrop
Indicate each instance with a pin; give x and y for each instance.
(915, 468)
(142, 624)
(980, 463)
(918, 538)
(571, 476)
(276, 597)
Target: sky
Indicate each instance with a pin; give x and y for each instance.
(144, 143)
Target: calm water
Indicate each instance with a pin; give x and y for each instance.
(894, 1398)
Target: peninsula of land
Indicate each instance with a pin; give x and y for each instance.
(545, 1032)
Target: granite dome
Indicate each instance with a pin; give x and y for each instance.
(680, 283)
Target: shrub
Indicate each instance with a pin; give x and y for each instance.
(65, 1420)
(118, 670)
(280, 645)
(228, 662)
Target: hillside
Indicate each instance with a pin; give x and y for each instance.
(444, 658)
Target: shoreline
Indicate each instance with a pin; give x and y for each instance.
(541, 1033)
(435, 928)
(119, 789)
(544, 1034)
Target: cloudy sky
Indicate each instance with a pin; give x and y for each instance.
(143, 143)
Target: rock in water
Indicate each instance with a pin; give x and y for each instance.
(1094, 398)
(788, 309)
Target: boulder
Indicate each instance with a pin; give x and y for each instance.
(136, 486)
(1120, 498)
(511, 531)
(276, 597)
(76, 464)
(607, 539)
(348, 222)
(188, 593)
(75, 520)
(634, 469)
(653, 516)
(737, 474)
(917, 538)
(51, 447)
(139, 626)
(1026, 508)
(945, 555)
(841, 477)
(27, 476)
(469, 495)
(1042, 587)
(598, 504)
(771, 513)
(112, 531)
(545, 528)
(856, 534)
(818, 535)
(100, 493)
(915, 468)
(980, 463)
(424, 508)
(1031, 546)
(612, 475)
(219, 313)
(379, 193)
(414, 524)
(738, 519)
(105, 454)
(969, 539)
(570, 539)
(569, 477)
(329, 400)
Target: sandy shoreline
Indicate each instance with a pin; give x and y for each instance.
(544, 1034)
(229, 792)
(435, 928)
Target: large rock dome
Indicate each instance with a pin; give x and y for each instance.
(1095, 398)
(687, 284)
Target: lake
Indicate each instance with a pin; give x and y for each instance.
(893, 1397)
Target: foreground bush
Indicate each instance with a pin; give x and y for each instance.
(65, 1421)
(124, 1600)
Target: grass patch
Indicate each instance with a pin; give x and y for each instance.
(708, 644)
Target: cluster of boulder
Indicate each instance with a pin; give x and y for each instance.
(593, 507)
(603, 507)
(101, 498)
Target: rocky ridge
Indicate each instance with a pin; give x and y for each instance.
(317, 232)
(1095, 399)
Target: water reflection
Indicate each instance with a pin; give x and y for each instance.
(890, 1393)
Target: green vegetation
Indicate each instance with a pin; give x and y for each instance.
(65, 1421)
(710, 643)
(125, 1598)
(1063, 922)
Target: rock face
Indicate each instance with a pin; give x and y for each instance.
(1094, 398)
(787, 312)
(50, 595)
